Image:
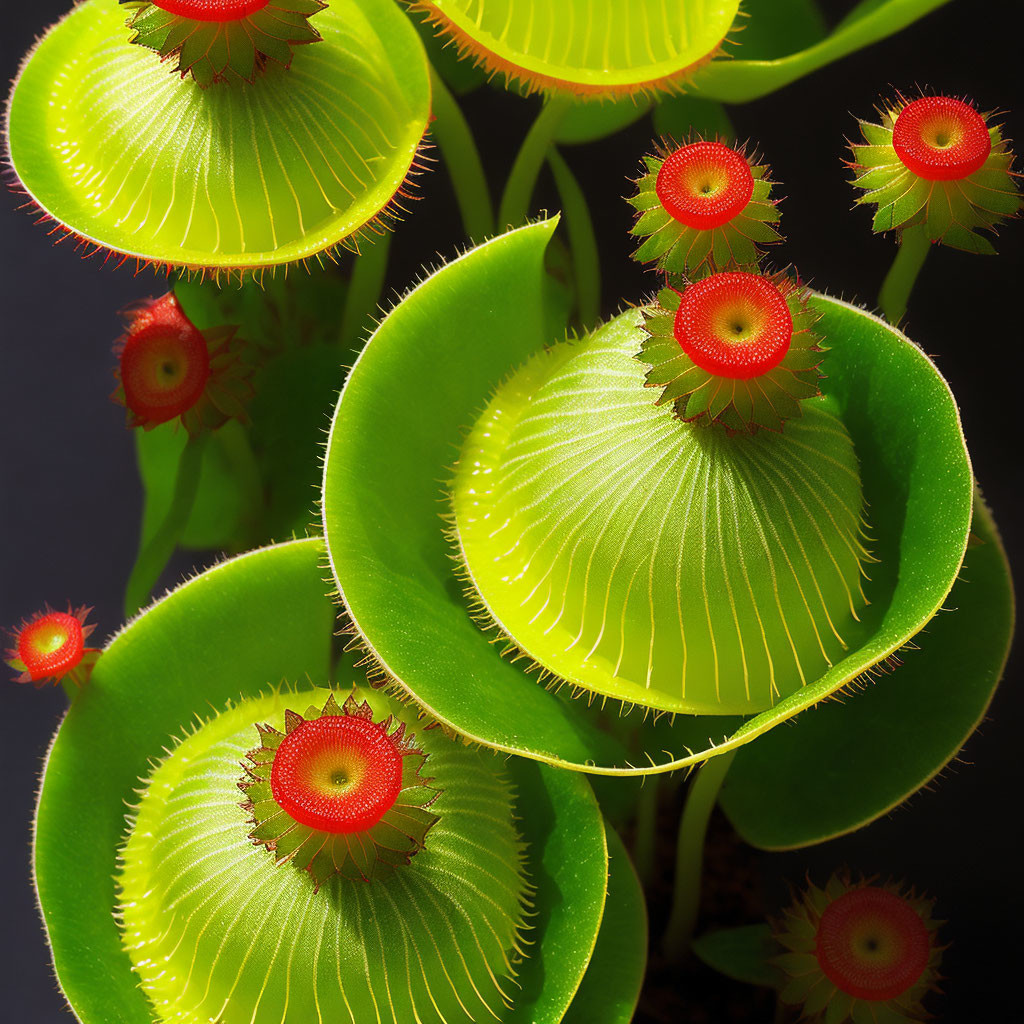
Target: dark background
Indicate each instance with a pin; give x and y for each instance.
(71, 502)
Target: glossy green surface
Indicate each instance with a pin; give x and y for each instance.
(846, 764)
(383, 485)
(238, 630)
(651, 560)
(134, 159)
(587, 46)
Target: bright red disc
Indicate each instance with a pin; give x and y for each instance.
(211, 10)
(337, 773)
(940, 138)
(165, 363)
(735, 325)
(705, 184)
(872, 944)
(52, 645)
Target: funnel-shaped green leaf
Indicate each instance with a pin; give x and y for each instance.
(131, 158)
(237, 631)
(848, 763)
(433, 363)
(618, 47)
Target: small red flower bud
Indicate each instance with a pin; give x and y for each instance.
(51, 645)
(169, 369)
(211, 10)
(224, 40)
(857, 951)
(733, 348)
(337, 773)
(941, 138)
(871, 944)
(705, 184)
(939, 164)
(338, 792)
(703, 205)
(164, 363)
(735, 325)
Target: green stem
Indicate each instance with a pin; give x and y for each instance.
(736, 81)
(646, 829)
(70, 688)
(154, 556)
(365, 287)
(700, 801)
(899, 282)
(461, 156)
(236, 444)
(582, 240)
(521, 182)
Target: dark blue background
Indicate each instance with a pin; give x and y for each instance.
(71, 502)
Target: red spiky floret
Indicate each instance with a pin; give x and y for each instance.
(735, 325)
(169, 369)
(703, 206)
(705, 184)
(941, 138)
(872, 944)
(50, 646)
(338, 792)
(937, 163)
(733, 348)
(858, 951)
(223, 40)
(338, 773)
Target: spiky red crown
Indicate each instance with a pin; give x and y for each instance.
(857, 950)
(734, 348)
(168, 369)
(703, 206)
(936, 163)
(50, 646)
(338, 792)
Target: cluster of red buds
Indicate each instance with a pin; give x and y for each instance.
(727, 341)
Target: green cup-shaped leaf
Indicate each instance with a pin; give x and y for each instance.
(848, 763)
(235, 631)
(616, 48)
(382, 498)
(131, 158)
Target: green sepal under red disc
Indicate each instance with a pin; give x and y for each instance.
(952, 212)
(678, 249)
(741, 406)
(213, 51)
(393, 840)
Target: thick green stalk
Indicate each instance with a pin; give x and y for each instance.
(154, 556)
(515, 202)
(700, 802)
(365, 287)
(736, 81)
(899, 282)
(70, 688)
(462, 158)
(582, 240)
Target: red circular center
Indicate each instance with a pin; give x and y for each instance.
(165, 363)
(705, 184)
(338, 773)
(211, 10)
(871, 944)
(734, 325)
(51, 646)
(940, 138)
